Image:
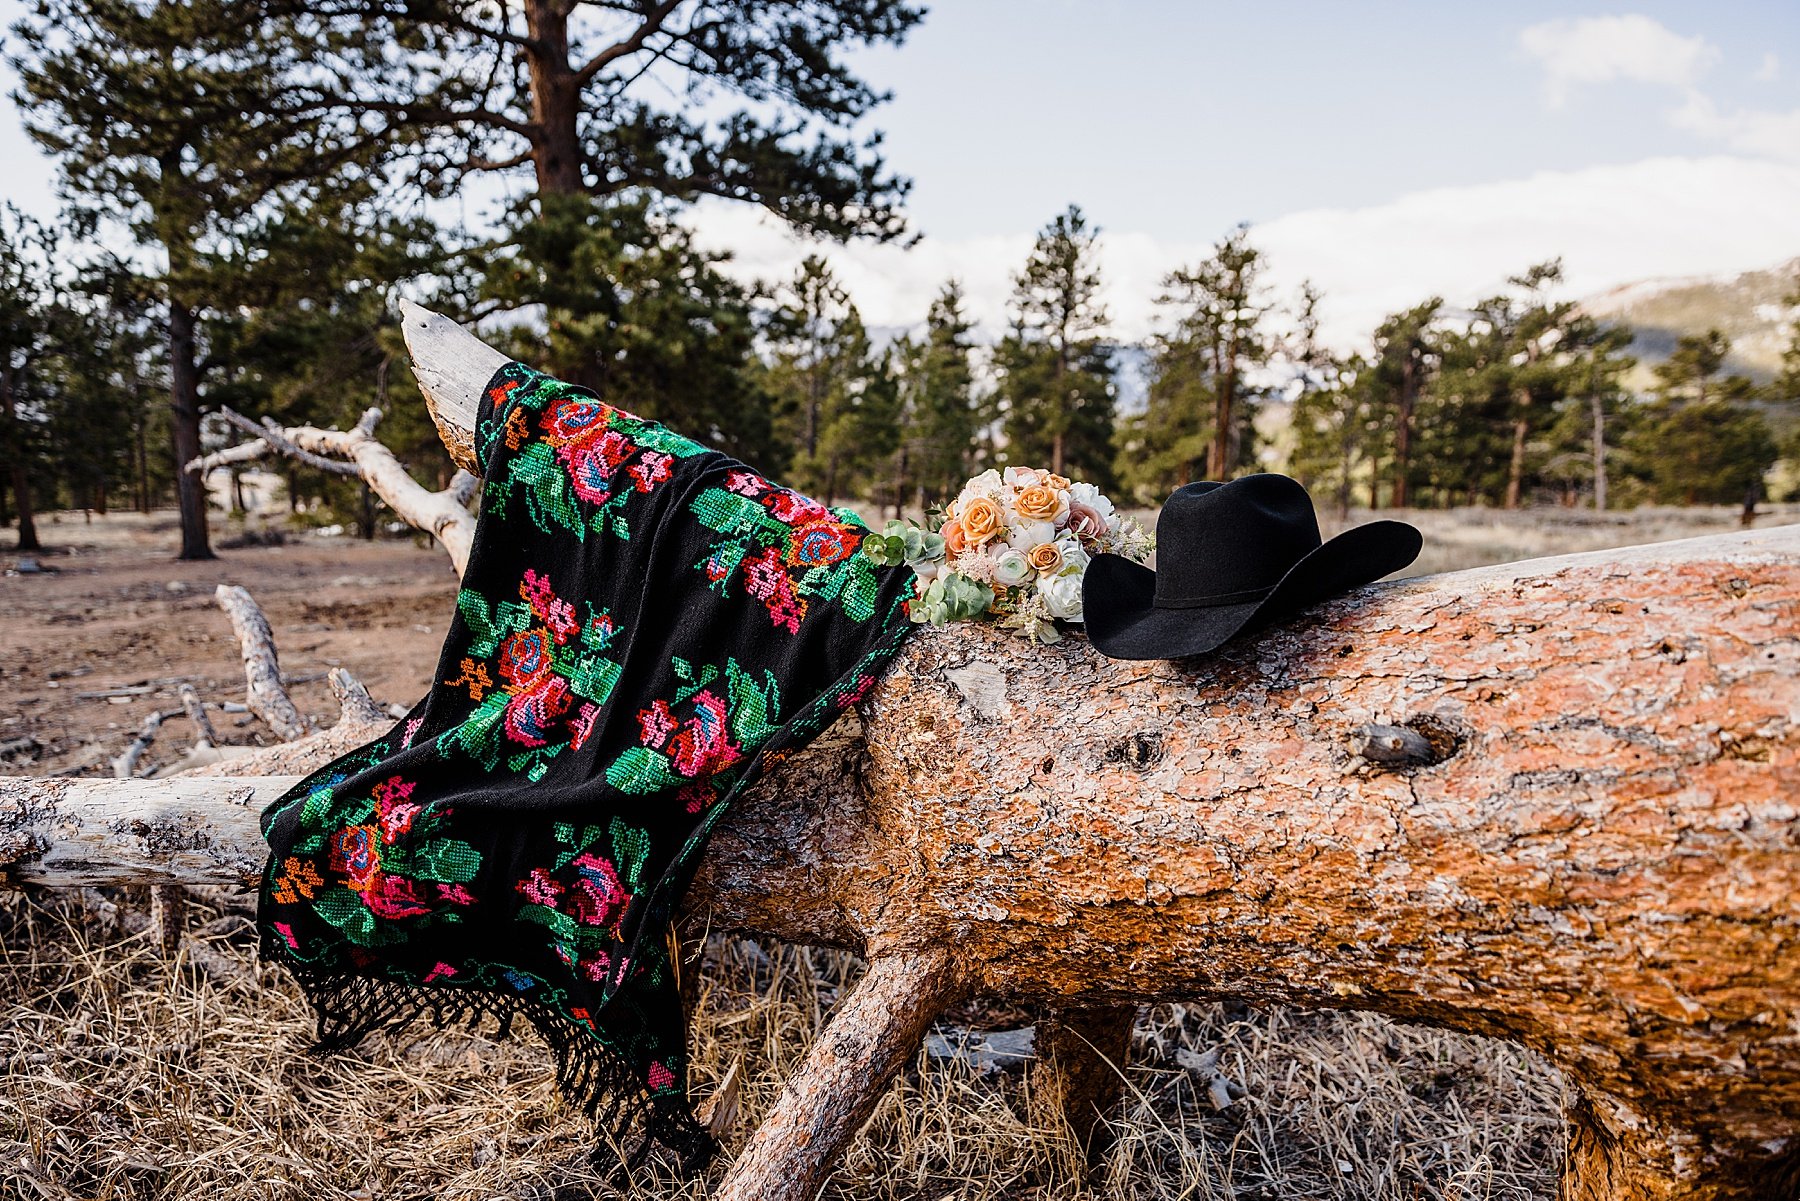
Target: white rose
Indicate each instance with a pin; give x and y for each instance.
(1027, 534)
(1011, 568)
(1074, 558)
(1087, 494)
(1022, 477)
(1062, 596)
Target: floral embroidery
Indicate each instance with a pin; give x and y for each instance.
(426, 859)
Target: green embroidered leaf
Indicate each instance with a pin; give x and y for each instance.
(560, 923)
(754, 704)
(630, 850)
(641, 771)
(480, 620)
(445, 861)
(345, 910)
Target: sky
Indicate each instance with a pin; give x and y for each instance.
(1385, 151)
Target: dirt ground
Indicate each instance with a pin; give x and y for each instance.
(114, 611)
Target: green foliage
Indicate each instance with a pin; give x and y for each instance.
(1701, 443)
(951, 597)
(836, 400)
(751, 100)
(636, 311)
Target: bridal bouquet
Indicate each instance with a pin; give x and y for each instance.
(1012, 547)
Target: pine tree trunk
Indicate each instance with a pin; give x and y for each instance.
(1599, 454)
(1515, 472)
(555, 101)
(184, 403)
(1218, 464)
(19, 478)
(1409, 390)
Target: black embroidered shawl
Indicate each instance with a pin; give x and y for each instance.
(644, 627)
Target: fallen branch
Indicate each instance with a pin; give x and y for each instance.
(357, 451)
(262, 673)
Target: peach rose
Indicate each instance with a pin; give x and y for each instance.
(1045, 557)
(1085, 521)
(1038, 503)
(981, 519)
(1059, 482)
(955, 541)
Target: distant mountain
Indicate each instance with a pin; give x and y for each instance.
(1749, 308)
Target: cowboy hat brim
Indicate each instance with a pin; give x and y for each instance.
(1123, 622)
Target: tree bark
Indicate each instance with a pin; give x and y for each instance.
(555, 100)
(184, 403)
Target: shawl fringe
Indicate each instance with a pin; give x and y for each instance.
(590, 1076)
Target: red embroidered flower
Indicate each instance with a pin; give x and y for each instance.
(598, 897)
(795, 509)
(703, 745)
(651, 469)
(540, 888)
(823, 542)
(745, 483)
(658, 1077)
(394, 810)
(354, 853)
(393, 897)
(574, 418)
(583, 726)
(532, 716)
(591, 464)
(656, 724)
(524, 657)
(766, 579)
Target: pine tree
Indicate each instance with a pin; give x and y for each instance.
(1701, 443)
(942, 415)
(1331, 419)
(1055, 370)
(179, 123)
(637, 311)
(1407, 355)
(24, 334)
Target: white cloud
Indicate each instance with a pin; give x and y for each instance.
(1610, 224)
(1770, 70)
(1752, 131)
(1590, 50)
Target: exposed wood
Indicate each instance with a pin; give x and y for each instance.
(451, 366)
(1588, 839)
(262, 672)
(875, 1029)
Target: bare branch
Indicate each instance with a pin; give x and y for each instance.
(262, 672)
(653, 22)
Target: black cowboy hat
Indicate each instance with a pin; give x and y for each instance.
(1231, 557)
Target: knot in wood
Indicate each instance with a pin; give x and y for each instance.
(1140, 750)
(1421, 742)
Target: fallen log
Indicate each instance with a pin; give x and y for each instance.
(1556, 802)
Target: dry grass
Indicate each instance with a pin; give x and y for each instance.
(130, 1076)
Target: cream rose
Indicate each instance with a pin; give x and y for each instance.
(1062, 596)
(1011, 568)
(1027, 534)
(1022, 477)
